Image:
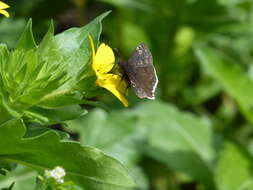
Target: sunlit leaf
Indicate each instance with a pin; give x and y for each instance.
(26, 41)
(234, 169)
(86, 166)
(119, 129)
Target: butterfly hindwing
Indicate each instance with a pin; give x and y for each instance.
(141, 72)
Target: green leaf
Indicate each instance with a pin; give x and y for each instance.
(10, 187)
(26, 41)
(86, 166)
(61, 100)
(234, 169)
(75, 38)
(24, 178)
(5, 166)
(4, 55)
(118, 128)
(41, 186)
(180, 140)
(116, 134)
(142, 181)
(34, 129)
(47, 43)
(234, 80)
(52, 116)
(201, 92)
(47, 83)
(70, 49)
(74, 47)
(6, 111)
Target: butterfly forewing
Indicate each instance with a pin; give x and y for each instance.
(141, 72)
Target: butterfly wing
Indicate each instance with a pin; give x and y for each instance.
(141, 72)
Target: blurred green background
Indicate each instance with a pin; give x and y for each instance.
(198, 132)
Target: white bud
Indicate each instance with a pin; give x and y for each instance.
(57, 173)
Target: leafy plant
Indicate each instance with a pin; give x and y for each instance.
(45, 84)
(196, 135)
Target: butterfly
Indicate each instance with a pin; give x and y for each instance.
(140, 72)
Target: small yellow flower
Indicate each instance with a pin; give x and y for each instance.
(102, 63)
(2, 7)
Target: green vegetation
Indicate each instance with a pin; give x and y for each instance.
(196, 135)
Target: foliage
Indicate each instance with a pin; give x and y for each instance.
(196, 135)
(37, 85)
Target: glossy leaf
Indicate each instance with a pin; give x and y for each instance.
(26, 41)
(86, 166)
(45, 84)
(123, 138)
(119, 129)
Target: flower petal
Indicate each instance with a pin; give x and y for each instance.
(4, 12)
(3, 5)
(115, 84)
(104, 59)
(102, 63)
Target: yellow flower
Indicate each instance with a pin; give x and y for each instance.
(2, 7)
(102, 63)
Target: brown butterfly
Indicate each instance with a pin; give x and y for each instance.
(141, 72)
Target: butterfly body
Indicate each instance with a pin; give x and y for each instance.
(140, 72)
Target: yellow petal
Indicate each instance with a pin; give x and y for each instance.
(3, 5)
(103, 60)
(115, 84)
(4, 12)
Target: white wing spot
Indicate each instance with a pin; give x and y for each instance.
(139, 50)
